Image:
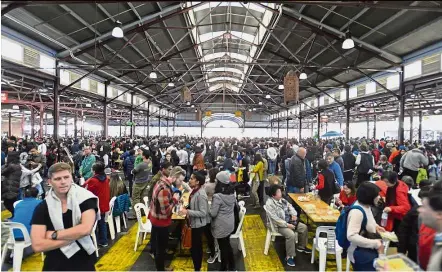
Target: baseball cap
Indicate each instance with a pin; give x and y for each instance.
(223, 177)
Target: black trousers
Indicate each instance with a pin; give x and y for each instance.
(411, 173)
(348, 176)
(9, 204)
(261, 193)
(130, 178)
(362, 178)
(160, 238)
(227, 260)
(197, 245)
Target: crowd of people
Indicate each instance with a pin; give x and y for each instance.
(396, 185)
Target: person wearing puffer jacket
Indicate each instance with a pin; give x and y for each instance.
(223, 220)
(198, 214)
(412, 161)
(11, 175)
(99, 186)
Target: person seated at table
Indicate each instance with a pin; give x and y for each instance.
(365, 245)
(383, 165)
(326, 182)
(23, 211)
(284, 217)
(347, 196)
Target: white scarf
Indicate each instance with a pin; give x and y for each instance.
(76, 195)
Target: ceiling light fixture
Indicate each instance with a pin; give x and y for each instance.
(348, 43)
(268, 96)
(303, 76)
(193, 106)
(88, 105)
(188, 103)
(153, 75)
(281, 87)
(15, 107)
(117, 32)
(250, 109)
(254, 109)
(260, 103)
(171, 84)
(196, 110)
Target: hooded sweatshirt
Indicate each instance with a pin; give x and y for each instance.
(223, 219)
(414, 159)
(99, 186)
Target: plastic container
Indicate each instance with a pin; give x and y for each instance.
(396, 262)
(384, 219)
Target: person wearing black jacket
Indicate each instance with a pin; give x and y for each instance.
(349, 163)
(11, 175)
(297, 172)
(326, 182)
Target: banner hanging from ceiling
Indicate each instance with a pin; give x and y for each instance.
(291, 87)
(186, 96)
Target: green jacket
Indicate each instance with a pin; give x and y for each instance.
(86, 167)
(138, 160)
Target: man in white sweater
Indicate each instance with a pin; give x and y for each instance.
(271, 155)
(367, 196)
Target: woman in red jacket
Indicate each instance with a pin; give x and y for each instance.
(397, 203)
(98, 184)
(347, 196)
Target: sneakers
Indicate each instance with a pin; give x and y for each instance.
(305, 250)
(290, 261)
(103, 245)
(211, 260)
(152, 255)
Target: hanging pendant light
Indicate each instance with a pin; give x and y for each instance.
(268, 96)
(303, 76)
(260, 103)
(153, 75)
(171, 84)
(117, 32)
(281, 87)
(348, 43)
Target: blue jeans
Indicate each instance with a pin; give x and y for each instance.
(272, 166)
(102, 230)
(293, 189)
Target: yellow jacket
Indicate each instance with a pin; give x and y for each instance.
(259, 168)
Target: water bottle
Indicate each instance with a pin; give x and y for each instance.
(384, 219)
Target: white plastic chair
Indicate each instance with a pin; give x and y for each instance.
(326, 246)
(115, 223)
(347, 266)
(16, 246)
(271, 233)
(238, 233)
(241, 204)
(110, 218)
(94, 238)
(146, 202)
(142, 227)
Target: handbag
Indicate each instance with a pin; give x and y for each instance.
(336, 188)
(186, 237)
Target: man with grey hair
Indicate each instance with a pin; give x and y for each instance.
(296, 183)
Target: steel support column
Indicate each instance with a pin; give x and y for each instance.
(411, 127)
(82, 124)
(319, 120)
(32, 122)
(374, 126)
(174, 126)
(105, 121)
(56, 113)
(300, 127)
(420, 127)
(66, 126)
(159, 124)
(287, 128)
(42, 112)
(347, 117)
(131, 115)
(167, 131)
(368, 127)
(201, 124)
(75, 126)
(148, 120)
(120, 127)
(401, 106)
(271, 128)
(10, 124)
(278, 128)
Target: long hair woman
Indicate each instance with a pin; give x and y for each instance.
(117, 186)
(198, 215)
(259, 177)
(223, 223)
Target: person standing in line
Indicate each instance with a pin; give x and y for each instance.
(223, 223)
(128, 166)
(62, 224)
(335, 169)
(11, 176)
(142, 175)
(298, 178)
(86, 164)
(99, 186)
(199, 217)
(271, 155)
(160, 215)
(412, 161)
(365, 165)
(259, 175)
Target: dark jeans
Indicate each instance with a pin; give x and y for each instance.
(102, 230)
(411, 173)
(160, 238)
(197, 245)
(227, 260)
(9, 204)
(130, 178)
(261, 193)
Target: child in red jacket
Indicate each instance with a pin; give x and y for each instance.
(98, 184)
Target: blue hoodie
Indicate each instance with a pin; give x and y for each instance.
(23, 214)
(337, 171)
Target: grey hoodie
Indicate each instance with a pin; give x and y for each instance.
(414, 159)
(221, 211)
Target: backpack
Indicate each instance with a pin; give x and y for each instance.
(341, 225)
